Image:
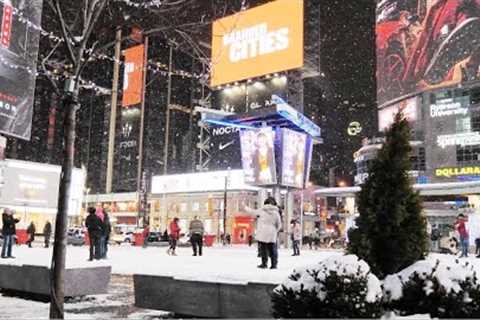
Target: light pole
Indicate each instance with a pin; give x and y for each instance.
(225, 211)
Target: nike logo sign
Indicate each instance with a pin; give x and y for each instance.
(226, 145)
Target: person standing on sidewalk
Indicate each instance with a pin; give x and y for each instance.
(94, 226)
(462, 231)
(174, 236)
(296, 236)
(196, 235)
(31, 234)
(8, 232)
(269, 224)
(47, 233)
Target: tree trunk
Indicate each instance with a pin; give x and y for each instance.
(59, 248)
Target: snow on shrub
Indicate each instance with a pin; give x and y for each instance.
(337, 287)
(446, 288)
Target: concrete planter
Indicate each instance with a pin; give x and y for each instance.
(36, 280)
(203, 299)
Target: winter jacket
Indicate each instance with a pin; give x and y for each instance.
(196, 227)
(47, 230)
(462, 229)
(9, 222)
(268, 223)
(174, 230)
(31, 229)
(296, 232)
(94, 225)
(106, 226)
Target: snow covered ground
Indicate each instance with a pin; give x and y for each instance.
(235, 264)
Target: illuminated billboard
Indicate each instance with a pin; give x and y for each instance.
(296, 153)
(409, 108)
(258, 156)
(21, 25)
(258, 41)
(424, 45)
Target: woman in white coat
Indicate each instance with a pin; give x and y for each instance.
(268, 225)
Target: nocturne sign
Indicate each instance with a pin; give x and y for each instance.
(19, 40)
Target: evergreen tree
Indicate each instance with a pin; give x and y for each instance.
(391, 230)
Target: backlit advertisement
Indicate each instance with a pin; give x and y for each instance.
(426, 44)
(19, 38)
(258, 41)
(294, 158)
(408, 107)
(258, 156)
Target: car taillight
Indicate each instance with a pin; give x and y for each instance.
(6, 25)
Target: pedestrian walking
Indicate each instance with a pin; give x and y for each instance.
(106, 231)
(31, 234)
(296, 236)
(250, 240)
(196, 230)
(8, 232)
(463, 232)
(228, 239)
(94, 227)
(174, 236)
(268, 226)
(47, 233)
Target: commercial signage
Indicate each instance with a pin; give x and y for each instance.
(425, 45)
(200, 182)
(408, 107)
(447, 107)
(20, 34)
(459, 139)
(258, 156)
(258, 41)
(296, 151)
(457, 171)
(133, 75)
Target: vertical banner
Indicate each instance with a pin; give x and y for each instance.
(20, 34)
(133, 76)
(128, 138)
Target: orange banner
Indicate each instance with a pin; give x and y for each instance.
(133, 75)
(259, 41)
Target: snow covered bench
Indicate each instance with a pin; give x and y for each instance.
(36, 279)
(203, 299)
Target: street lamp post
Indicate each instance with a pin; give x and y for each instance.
(225, 211)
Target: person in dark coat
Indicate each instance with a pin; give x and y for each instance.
(47, 233)
(8, 232)
(31, 234)
(196, 230)
(94, 226)
(106, 231)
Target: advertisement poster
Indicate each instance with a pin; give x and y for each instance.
(133, 75)
(426, 44)
(258, 156)
(19, 40)
(258, 41)
(294, 158)
(409, 108)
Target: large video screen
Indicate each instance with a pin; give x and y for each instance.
(425, 44)
(294, 158)
(258, 156)
(258, 41)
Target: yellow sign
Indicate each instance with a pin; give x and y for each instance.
(455, 172)
(259, 41)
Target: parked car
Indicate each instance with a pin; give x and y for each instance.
(76, 236)
(122, 237)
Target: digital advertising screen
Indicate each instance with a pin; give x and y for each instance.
(425, 44)
(258, 156)
(258, 41)
(294, 158)
(409, 108)
(19, 38)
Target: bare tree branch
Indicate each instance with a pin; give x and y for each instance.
(61, 21)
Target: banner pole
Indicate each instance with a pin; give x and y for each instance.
(113, 111)
(140, 190)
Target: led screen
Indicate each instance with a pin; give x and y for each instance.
(294, 158)
(425, 44)
(258, 156)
